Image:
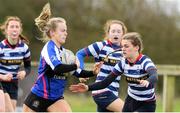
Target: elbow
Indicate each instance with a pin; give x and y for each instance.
(156, 79)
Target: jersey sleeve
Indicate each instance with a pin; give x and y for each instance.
(49, 53)
(149, 65)
(27, 59)
(91, 50)
(151, 69)
(118, 68)
(27, 53)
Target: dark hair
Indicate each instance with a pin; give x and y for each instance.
(135, 39)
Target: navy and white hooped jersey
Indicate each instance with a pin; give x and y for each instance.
(49, 87)
(12, 57)
(105, 51)
(135, 72)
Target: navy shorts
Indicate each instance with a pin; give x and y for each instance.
(103, 100)
(39, 104)
(132, 105)
(11, 88)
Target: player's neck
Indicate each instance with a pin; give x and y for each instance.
(56, 43)
(12, 41)
(134, 58)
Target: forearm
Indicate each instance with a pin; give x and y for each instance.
(79, 73)
(86, 73)
(27, 70)
(153, 78)
(102, 84)
(64, 68)
(81, 55)
(27, 66)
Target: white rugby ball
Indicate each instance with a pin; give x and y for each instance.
(68, 57)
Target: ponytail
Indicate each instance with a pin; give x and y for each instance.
(42, 20)
(24, 39)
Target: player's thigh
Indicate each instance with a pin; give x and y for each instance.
(116, 105)
(2, 101)
(60, 106)
(14, 102)
(27, 109)
(8, 104)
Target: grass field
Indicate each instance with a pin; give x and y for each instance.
(83, 103)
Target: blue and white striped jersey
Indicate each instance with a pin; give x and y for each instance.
(11, 57)
(103, 51)
(49, 87)
(135, 72)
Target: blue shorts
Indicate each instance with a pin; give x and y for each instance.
(11, 88)
(103, 100)
(132, 105)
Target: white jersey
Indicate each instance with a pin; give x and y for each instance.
(12, 57)
(110, 54)
(136, 71)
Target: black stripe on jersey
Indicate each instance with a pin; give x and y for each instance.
(141, 88)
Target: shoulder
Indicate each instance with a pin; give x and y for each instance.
(145, 58)
(147, 62)
(100, 44)
(3, 43)
(49, 47)
(23, 44)
(104, 42)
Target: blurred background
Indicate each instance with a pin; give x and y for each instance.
(158, 21)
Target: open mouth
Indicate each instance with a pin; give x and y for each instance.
(124, 53)
(116, 38)
(14, 34)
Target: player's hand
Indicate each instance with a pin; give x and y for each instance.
(97, 67)
(144, 83)
(82, 80)
(8, 77)
(81, 87)
(21, 75)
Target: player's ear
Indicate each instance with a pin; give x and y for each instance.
(51, 32)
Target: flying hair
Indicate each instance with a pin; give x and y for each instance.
(46, 23)
(43, 18)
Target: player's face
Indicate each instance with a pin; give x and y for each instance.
(60, 34)
(13, 29)
(115, 33)
(129, 50)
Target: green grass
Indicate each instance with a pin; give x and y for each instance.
(84, 103)
(176, 103)
(81, 102)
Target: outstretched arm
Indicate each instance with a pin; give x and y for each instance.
(81, 87)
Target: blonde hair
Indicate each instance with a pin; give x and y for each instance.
(135, 39)
(3, 27)
(45, 23)
(108, 25)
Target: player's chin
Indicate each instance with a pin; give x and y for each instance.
(124, 54)
(63, 42)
